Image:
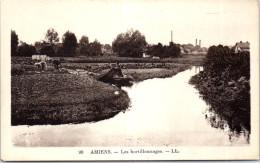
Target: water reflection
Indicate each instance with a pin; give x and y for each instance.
(237, 120)
(217, 121)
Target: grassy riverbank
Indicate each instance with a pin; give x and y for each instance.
(63, 98)
(145, 73)
(55, 97)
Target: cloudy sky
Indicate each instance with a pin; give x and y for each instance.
(212, 21)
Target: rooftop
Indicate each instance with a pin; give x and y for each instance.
(243, 45)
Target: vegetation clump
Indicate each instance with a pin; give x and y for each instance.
(224, 83)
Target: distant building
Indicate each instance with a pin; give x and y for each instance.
(242, 47)
(203, 49)
(155, 57)
(146, 55)
(187, 50)
(39, 57)
(194, 52)
(188, 46)
(196, 49)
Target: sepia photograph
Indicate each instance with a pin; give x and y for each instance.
(129, 80)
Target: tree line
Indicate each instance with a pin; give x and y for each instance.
(51, 46)
(129, 44)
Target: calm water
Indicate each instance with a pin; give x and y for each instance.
(163, 112)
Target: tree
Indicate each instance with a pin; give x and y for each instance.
(69, 44)
(51, 36)
(47, 50)
(26, 50)
(95, 48)
(14, 43)
(107, 48)
(173, 50)
(38, 43)
(84, 40)
(129, 44)
(91, 49)
(60, 51)
(155, 50)
(84, 50)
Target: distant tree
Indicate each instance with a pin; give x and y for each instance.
(60, 51)
(38, 43)
(26, 50)
(51, 36)
(107, 48)
(155, 50)
(14, 43)
(91, 49)
(173, 50)
(83, 50)
(84, 40)
(129, 44)
(95, 48)
(69, 44)
(47, 50)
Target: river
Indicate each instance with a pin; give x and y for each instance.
(163, 112)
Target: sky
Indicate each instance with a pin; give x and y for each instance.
(211, 21)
